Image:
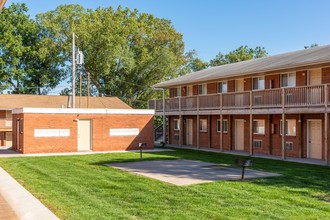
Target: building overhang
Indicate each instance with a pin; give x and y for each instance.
(87, 111)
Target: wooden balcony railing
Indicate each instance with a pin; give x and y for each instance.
(310, 96)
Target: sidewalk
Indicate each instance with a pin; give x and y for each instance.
(290, 159)
(23, 204)
(6, 212)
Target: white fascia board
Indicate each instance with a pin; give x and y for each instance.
(84, 111)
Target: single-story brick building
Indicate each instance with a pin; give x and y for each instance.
(41, 123)
(45, 130)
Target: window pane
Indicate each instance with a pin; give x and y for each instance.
(203, 125)
(259, 126)
(284, 80)
(225, 126)
(261, 83)
(292, 80)
(224, 87)
(218, 125)
(255, 83)
(220, 87)
(176, 124)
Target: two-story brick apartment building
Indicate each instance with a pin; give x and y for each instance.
(241, 106)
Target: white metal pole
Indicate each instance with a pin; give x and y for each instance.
(73, 71)
(164, 119)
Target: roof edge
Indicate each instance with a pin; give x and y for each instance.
(83, 111)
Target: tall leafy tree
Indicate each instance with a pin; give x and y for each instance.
(30, 61)
(126, 52)
(193, 63)
(240, 54)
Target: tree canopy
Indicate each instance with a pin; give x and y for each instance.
(126, 52)
(240, 54)
(30, 60)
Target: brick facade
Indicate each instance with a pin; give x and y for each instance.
(100, 135)
(271, 139)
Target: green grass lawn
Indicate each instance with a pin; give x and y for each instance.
(82, 187)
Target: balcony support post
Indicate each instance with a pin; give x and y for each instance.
(221, 127)
(251, 126)
(283, 127)
(181, 123)
(326, 124)
(300, 135)
(269, 135)
(197, 138)
(164, 118)
(209, 130)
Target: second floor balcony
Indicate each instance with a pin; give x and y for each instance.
(296, 99)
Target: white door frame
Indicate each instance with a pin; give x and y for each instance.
(91, 133)
(236, 133)
(192, 128)
(308, 147)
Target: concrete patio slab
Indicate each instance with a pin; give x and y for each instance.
(22, 202)
(187, 172)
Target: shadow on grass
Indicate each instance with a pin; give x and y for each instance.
(305, 179)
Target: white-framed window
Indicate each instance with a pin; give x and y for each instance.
(224, 126)
(176, 124)
(177, 92)
(190, 91)
(258, 126)
(290, 127)
(288, 80)
(258, 83)
(203, 125)
(222, 87)
(202, 89)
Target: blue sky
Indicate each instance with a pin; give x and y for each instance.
(211, 26)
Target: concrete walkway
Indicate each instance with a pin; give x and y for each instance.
(290, 159)
(6, 212)
(5, 153)
(22, 202)
(188, 172)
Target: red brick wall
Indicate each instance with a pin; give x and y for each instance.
(171, 92)
(326, 75)
(231, 85)
(101, 124)
(264, 149)
(301, 78)
(247, 84)
(184, 91)
(173, 132)
(195, 89)
(211, 88)
(204, 136)
(275, 79)
(305, 118)
(215, 136)
(194, 118)
(2, 118)
(271, 142)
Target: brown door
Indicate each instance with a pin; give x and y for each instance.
(315, 139)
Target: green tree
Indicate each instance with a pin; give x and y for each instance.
(126, 52)
(193, 63)
(30, 62)
(240, 54)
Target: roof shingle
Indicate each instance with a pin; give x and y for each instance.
(316, 55)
